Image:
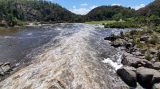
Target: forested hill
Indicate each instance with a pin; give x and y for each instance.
(110, 12)
(12, 11)
(34, 10)
(151, 9)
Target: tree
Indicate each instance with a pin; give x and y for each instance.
(154, 19)
(118, 16)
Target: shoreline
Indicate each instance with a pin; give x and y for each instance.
(136, 68)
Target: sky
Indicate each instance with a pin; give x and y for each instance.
(82, 7)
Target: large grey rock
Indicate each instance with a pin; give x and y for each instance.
(153, 51)
(131, 60)
(144, 38)
(128, 44)
(1, 70)
(6, 67)
(147, 77)
(116, 44)
(156, 86)
(111, 38)
(156, 65)
(128, 75)
(120, 42)
(137, 53)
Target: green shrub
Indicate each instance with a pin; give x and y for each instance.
(154, 39)
(136, 41)
(122, 25)
(139, 45)
(158, 29)
(158, 56)
(148, 56)
(133, 32)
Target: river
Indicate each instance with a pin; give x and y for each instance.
(61, 56)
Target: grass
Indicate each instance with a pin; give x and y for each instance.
(101, 22)
(153, 41)
(115, 24)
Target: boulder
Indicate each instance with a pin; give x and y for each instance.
(147, 77)
(137, 53)
(131, 60)
(153, 51)
(111, 38)
(1, 70)
(156, 65)
(118, 43)
(156, 86)
(6, 67)
(143, 51)
(156, 77)
(128, 75)
(144, 38)
(128, 45)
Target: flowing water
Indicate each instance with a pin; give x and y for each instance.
(62, 56)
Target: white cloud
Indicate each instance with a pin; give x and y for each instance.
(84, 4)
(138, 7)
(94, 6)
(82, 10)
(116, 4)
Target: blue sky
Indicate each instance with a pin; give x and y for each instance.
(84, 6)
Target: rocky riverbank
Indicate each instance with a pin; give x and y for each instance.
(5, 70)
(140, 66)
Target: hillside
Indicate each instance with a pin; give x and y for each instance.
(110, 12)
(34, 10)
(151, 9)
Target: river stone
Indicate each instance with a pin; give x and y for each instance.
(137, 53)
(110, 38)
(6, 67)
(156, 77)
(131, 60)
(116, 44)
(156, 86)
(1, 70)
(128, 75)
(147, 77)
(156, 65)
(153, 51)
(144, 38)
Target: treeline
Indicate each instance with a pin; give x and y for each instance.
(147, 15)
(13, 11)
(110, 13)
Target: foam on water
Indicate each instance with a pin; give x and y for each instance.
(117, 64)
(73, 62)
(29, 33)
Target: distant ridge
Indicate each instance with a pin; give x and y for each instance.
(34, 10)
(108, 12)
(151, 9)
